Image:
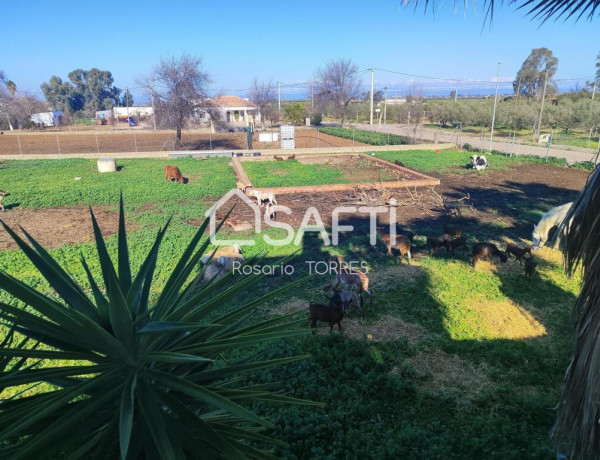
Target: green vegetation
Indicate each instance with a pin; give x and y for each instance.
(366, 137)
(450, 362)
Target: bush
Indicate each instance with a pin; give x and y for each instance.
(294, 113)
(366, 137)
(316, 120)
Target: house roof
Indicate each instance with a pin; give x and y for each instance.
(233, 101)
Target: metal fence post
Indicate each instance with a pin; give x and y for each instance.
(19, 142)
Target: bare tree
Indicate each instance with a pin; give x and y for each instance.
(264, 95)
(338, 84)
(179, 86)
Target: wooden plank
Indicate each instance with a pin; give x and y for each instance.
(390, 165)
(343, 187)
(239, 171)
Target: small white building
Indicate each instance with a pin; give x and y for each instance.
(48, 118)
(238, 111)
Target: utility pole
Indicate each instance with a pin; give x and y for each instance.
(371, 114)
(312, 97)
(495, 102)
(279, 105)
(127, 101)
(385, 105)
(456, 94)
(542, 107)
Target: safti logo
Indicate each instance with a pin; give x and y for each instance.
(311, 215)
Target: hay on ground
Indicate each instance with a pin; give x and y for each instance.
(387, 329)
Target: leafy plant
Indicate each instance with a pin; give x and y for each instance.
(146, 378)
(366, 137)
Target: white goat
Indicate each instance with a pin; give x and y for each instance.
(262, 197)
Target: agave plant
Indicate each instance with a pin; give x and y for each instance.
(143, 378)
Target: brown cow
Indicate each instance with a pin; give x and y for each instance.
(173, 172)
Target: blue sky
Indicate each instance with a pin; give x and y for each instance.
(284, 41)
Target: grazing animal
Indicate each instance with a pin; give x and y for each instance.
(327, 314)
(530, 265)
(276, 158)
(552, 218)
(357, 279)
(399, 163)
(479, 162)
(242, 187)
(292, 157)
(270, 212)
(452, 229)
(486, 251)
(402, 244)
(224, 251)
(456, 243)
(437, 242)
(346, 298)
(453, 206)
(262, 197)
(173, 174)
(517, 251)
(238, 226)
(2, 195)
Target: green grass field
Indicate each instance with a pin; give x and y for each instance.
(450, 362)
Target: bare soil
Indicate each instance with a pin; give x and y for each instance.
(53, 227)
(147, 141)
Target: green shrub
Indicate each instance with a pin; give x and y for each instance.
(365, 137)
(316, 120)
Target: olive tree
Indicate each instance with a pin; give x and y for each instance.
(338, 83)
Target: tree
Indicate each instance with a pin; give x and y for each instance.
(377, 96)
(538, 66)
(338, 84)
(59, 95)
(179, 86)
(127, 99)
(294, 113)
(264, 95)
(95, 88)
(598, 69)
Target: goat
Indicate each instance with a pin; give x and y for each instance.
(242, 187)
(530, 265)
(350, 277)
(225, 251)
(552, 218)
(238, 226)
(402, 244)
(453, 206)
(269, 212)
(456, 243)
(452, 229)
(327, 314)
(292, 157)
(343, 297)
(276, 158)
(220, 265)
(173, 172)
(486, 251)
(262, 197)
(437, 242)
(2, 195)
(517, 251)
(478, 162)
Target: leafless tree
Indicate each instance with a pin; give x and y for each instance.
(179, 87)
(338, 83)
(264, 95)
(416, 110)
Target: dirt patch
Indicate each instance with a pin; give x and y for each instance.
(53, 227)
(308, 138)
(447, 374)
(387, 329)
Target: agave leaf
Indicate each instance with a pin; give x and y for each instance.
(153, 417)
(85, 449)
(35, 375)
(206, 396)
(237, 433)
(123, 251)
(126, 412)
(161, 327)
(106, 265)
(101, 302)
(48, 354)
(167, 357)
(119, 314)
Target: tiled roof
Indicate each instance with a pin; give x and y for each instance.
(233, 101)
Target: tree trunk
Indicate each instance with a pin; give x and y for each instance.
(178, 137)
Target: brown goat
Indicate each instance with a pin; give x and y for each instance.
(486, 251)
(173, 172)
(437, 242)
(327, 314)
(242, 187)
(517, 251)
(276, 158)
(452, 229)
(456, 243)
(291, 157)
(350, 277)
(402, 244)
(530, 265)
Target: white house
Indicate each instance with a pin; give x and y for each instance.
(48, 118)
(237, 111)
